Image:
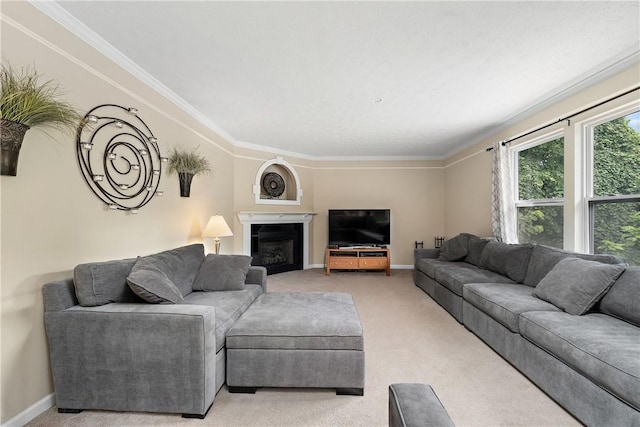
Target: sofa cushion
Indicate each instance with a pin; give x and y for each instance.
(100, 283)
(429, 266)
(623, 299)
(504, 302)
(511, 260)
(544, 258)
(600, 347)
(575, 284)
(181, 265)
(475, 246)
(229, 307)
(222, 273)
(454, 275)
(454, 249)
(152, 285)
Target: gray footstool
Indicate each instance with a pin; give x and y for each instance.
(416, 405)
(297, 339)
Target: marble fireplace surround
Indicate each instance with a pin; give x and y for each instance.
(249, 218)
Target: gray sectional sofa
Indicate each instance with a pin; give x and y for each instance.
(569, 322)
(116, 342)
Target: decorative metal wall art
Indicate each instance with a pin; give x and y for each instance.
(119, 157)
(273, 184)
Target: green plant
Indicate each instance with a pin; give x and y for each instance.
(182, 160)
(27, 101)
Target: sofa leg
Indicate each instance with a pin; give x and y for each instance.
(350, 391)
(247, 390)
(69, 411)
(198, 416)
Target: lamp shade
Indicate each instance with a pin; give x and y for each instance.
(217, 227)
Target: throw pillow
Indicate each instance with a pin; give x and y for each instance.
(575, 284)
(475, 246)
(454, 249)
(511, 260)
(222, 273)
(152, 285)
(623, 299)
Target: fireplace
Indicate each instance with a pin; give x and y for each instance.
(277, 247)
(274, 250)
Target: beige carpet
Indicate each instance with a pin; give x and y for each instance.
(408, 338)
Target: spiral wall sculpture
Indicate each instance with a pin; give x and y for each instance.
(119, 157)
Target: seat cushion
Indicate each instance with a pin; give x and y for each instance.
(504, 302)
(600, 347)
(229, 307)
(457, 274)
(429, 266)
(300, 321)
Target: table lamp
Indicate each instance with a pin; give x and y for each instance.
(217, 227)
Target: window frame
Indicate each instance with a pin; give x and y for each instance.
(514, 153)
(589, 200)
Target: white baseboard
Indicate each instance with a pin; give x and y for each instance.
(31, 412)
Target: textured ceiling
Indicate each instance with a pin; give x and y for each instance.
(354, 79)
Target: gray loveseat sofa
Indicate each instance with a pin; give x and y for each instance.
(569, 322)
(147, 334)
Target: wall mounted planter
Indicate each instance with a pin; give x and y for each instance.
(11, 137)
(185, 183)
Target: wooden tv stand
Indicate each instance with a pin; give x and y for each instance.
(358, 259)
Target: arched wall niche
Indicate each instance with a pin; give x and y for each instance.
(292, 190)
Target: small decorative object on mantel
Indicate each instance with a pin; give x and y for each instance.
(187, 164)
(26, 103)
(119, 157)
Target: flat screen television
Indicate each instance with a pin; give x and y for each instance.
(359, 227)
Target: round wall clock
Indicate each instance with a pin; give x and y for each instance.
(273, 184)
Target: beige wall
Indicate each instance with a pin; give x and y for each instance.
(415, 195)
(50, 221)
(468, 173)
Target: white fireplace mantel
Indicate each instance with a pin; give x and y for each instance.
(249, 218)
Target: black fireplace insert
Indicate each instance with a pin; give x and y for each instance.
(278, 247)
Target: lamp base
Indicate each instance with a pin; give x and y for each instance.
(216, 245)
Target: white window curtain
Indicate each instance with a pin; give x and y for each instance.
(503, 213)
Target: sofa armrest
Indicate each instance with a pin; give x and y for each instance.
(134, 357)
(257, 275)
(59, 295)
(418, 254)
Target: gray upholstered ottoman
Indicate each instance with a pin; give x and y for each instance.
(416, 405)
(297, 339)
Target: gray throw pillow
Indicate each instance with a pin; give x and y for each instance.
(454, 249)
(511, 260)
(623, 299)
(222, 273)
(575, 284)
(152, 285)
(475, 246)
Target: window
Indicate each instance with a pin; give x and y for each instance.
(540, 181)
(614, 188)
